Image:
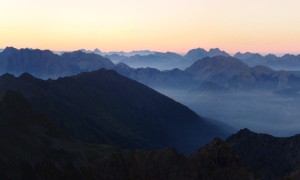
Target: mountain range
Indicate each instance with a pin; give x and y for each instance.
(167, 60)
(155, 60)
(46, 64)
(119, 53)
(224, 71)
(158, 60)
(286, 62)
(32, 147)
(105, 107)
(171, 60)
(92, 122)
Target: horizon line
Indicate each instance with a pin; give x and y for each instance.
(154, 51)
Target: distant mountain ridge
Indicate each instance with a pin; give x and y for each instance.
(199, 53)
(155, 60)
(225, 71)
(166, 60)
(285, 62)
(139, 59)
(119, 53)
(171, 60)
(45, 64)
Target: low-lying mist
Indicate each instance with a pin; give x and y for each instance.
(263, 112)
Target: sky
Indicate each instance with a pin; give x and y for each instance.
(264, 26)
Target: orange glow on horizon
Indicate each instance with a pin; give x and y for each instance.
(269, 26)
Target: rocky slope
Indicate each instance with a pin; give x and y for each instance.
(267, 156)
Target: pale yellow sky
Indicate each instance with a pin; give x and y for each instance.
(164, 25)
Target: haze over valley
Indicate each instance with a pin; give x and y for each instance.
(96, 108)
(220, 87)
(149, 90)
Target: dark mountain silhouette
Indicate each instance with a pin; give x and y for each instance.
(214, 161)
(45, 64)
(33, 148)
(104, 107)
(267, 156)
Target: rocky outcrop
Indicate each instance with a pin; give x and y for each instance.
(267, 156)
(214, 161)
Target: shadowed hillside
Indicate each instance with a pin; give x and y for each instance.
(104, 107)
(33, 148)
(267, 156)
